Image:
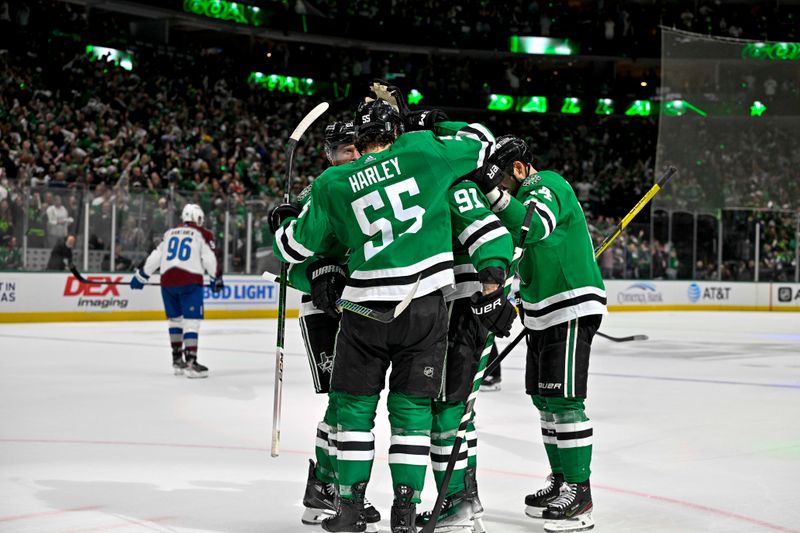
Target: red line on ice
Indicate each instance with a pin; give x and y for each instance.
(128, 522)
(49, 513)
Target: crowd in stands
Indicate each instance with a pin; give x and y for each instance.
(184, 126)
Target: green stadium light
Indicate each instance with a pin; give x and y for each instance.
(532, 104)
(571, 106)
(500, 102)
(677, 108)
(282, 84)
(605, 106)
(112, 55)
(521, 44)
(227, 11)
(414, 97)
(772, 51)
(639, 107)
(757, 109)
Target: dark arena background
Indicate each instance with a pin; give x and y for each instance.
(116, 114)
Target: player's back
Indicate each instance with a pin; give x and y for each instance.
(390, 209)
(186, 252)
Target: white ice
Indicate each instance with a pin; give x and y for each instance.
(697, 429)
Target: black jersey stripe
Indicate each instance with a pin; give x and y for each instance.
(487, 150)
(288, 249)
(409, 449)
(480, 232)
(575, 435)
(537, 313)
(545, 218)
(443, 458)
(355, 445)
(401, 280)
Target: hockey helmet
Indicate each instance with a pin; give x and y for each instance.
(375, 117)
(337, 134)
(508, 149)
(193, 213)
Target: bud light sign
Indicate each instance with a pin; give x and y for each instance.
(242, 292)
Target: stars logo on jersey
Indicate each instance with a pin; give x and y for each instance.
(533, 179)
(300, 198)
(326, 363)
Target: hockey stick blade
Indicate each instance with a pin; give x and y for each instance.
(386, 316)
(309, 119)
(623, 339)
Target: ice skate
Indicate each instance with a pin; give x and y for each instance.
(571, 511)
(319, 499)
(491, 383)
(178, 364)
(536, 503)
(349, 517)
(457, 515)
(471, 488)
(403, 511)
(194, 369)
(372, 515)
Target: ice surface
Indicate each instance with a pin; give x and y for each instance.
(697, 429)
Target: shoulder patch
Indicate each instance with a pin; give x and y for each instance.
(533, 179)
(300, 198)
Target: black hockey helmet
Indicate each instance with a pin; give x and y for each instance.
(337, 134)
(376, 120)
(508, 149)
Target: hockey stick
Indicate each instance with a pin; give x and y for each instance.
(291, 146)
(469, 407)
(82, 279)
(629, 338)
(385, 317)
(635, 211)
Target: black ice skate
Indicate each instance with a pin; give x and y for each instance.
(319, 499)
(491, 383)
(349, 517)
(471, 488)
(536, 503)
(372, 515)
(571, 511)
(178, 364)
(195, 369)
(403, 511)
(457, 515)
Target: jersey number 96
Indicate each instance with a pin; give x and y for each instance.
(179, 247)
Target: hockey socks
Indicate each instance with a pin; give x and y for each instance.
(355, 443)
(548, 423)
(446, 419)
(573, 436)
(411, 419)
(326, 444)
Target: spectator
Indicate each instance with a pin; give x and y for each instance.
(10, 257)
(61, 255)
(121, 263)
(58, 221)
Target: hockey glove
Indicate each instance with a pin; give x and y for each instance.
(494, 311)
(217, 284)
(279, 214)
(424, 120)
(328, 279)
(138, 280)
(391, 94)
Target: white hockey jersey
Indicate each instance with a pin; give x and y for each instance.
(185, 253)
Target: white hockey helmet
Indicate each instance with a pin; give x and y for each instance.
(193, 213)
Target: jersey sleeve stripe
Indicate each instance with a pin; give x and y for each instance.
(489, 236)
(547, 217)
(538, 313)
(482, 135)
(480, 233)
(476, 226)
(401, 280)
(287, 243)
(403, 271)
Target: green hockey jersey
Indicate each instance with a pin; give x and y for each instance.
(390, 210)
(479, 239)
(559, 277)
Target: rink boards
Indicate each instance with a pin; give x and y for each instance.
(57, 297)
(52, 297)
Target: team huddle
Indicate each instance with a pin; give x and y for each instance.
(415, 203)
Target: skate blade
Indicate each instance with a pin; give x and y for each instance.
(534, 512)
(456, 528)
(194, 374)
(312, 516)
(583, 522)
(479, 527)
(372, 528)
(491, 388)
(177, 371)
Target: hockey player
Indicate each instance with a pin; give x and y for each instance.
(564, 300)
(389, 208)
(184, 254)
(319, 325)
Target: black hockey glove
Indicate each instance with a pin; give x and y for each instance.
(279, 214)
(217, 284)
(424, 120)
(494, 311)
(328, 279)
(487, 177)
